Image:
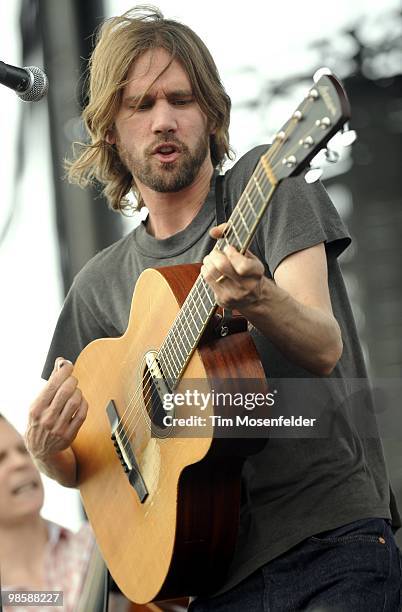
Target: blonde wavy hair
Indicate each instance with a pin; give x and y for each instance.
(120, 42)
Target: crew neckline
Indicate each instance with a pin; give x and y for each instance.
(181, 241)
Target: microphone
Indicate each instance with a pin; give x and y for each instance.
(29, 83)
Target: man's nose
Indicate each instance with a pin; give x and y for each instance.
(163, 118)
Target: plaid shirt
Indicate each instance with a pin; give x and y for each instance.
(66, 562)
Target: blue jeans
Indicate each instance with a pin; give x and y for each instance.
(355, 568)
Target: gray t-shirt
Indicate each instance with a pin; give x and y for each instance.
(295, 487)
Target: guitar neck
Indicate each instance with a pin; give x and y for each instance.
(319, 116)
(200, 303)
(250, 208)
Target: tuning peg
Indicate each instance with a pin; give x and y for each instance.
(290, 161)
(320, 73)
(347, 136)
(313, 175)
(331, 156)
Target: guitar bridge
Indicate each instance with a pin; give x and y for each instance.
(125, 452)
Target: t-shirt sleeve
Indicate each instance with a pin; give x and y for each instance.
(97, 305)
(76, 327)
(300, 216)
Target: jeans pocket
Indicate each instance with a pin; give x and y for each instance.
(349, 539)
(365, 548)
(371, 531)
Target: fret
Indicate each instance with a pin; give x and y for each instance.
(249, 202)
(173, 354)
(265, 185)
(249, 229)
(182, 321)
(263, 198)
(239, 223)
(206, 292)
(243, 220)
(165, 366)
(219, 245)
(185, 332)
(163, 353)
(249, 217)
(173, 367)
(196, 297)
(268, 170)
(232, 227)
(181, 342)
(175, 333)
(171, 346)
(169, 375)
(194, 321)
(184, 339)
(200, 303)
(200, 319)
(212, 302)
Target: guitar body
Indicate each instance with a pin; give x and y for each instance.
(174, 534)
(180, 539)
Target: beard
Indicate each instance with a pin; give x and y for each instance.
(166, 177)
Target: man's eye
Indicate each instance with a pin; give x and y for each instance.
(143, 106)
(181, 102)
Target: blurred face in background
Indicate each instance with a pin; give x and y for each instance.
(20, 483)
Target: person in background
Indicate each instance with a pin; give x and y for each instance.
(40, 555)
(35, 554)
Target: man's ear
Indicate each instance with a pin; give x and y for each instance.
(111, 136)
(211, 127)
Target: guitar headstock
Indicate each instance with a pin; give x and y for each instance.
(322, 113)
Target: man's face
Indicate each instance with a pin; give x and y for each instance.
(20, 484)
(165, 142)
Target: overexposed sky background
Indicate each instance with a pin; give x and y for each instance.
(251, 43)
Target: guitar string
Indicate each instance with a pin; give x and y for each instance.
(178, 324)
(231, 226)
(262, 177)
(147, 378)
(165, 347)
(168, 343)
(151, 393)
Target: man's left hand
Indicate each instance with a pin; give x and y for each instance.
(236, 279)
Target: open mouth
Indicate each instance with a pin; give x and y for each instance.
(166, 152)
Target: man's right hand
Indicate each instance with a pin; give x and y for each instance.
(55, 417)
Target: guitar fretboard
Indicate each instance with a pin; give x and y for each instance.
(200, 304)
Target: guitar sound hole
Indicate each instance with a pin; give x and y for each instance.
(154, 402)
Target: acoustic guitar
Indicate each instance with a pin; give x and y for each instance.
(93, 593)
(165, 508)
